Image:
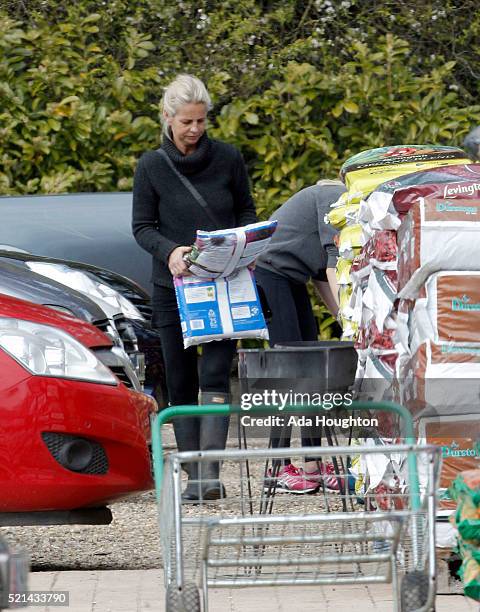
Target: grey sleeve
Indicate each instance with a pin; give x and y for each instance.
(327, 233)
(327, 196)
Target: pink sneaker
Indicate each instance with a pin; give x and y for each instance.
(325, 473)
(291, 479)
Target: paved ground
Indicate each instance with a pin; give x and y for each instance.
(142, 590)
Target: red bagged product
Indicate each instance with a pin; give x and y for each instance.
(380, 342)
(384, 250)
(393, 198)
(362, 264)
(443, 181)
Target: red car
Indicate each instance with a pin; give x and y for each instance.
(72, 435)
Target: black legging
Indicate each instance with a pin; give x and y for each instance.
(292, 320)
(184, 377)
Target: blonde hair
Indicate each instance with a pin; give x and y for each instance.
(184, 89)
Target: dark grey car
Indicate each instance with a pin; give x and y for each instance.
(92, 228)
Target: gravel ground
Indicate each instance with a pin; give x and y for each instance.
(132, 540)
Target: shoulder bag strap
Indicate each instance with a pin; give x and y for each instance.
(191, 189)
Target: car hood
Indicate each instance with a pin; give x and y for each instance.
(84, 332)
(20, 282)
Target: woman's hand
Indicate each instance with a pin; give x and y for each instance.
(176, 264)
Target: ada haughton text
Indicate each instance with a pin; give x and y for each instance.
(303, 421)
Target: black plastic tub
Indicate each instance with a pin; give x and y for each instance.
(301, 366)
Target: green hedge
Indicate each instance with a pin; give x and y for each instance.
(307, 122)
(73, 117)
(298, 86)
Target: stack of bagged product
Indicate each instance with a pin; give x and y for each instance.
(437, 216)
(465, 491)
(362, 174)
(415, 295)
(220, 299)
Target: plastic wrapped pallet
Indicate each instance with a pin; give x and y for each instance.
(219, 309)
(437, 234)
(361, 174)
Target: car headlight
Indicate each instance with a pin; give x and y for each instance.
(83, 282)
(49, 351)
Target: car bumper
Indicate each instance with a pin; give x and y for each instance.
(112, 418)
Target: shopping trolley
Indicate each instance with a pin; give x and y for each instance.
(308, 540)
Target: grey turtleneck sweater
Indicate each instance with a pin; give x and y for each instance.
(165, 214)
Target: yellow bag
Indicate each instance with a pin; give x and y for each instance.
(346, 214)
(366, 180)
(342, 271)
(344, 295)
(350, 241)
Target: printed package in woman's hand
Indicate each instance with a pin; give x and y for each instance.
(222, 252)
(219, 308)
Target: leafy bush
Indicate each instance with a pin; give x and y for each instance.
(307, 122)
(70, 111)
(80, 84)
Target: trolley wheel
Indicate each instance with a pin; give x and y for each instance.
(414, 591)
(186, 600)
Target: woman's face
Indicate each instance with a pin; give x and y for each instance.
(188, 125)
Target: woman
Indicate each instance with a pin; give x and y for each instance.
(166, 216)
(301, 249)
